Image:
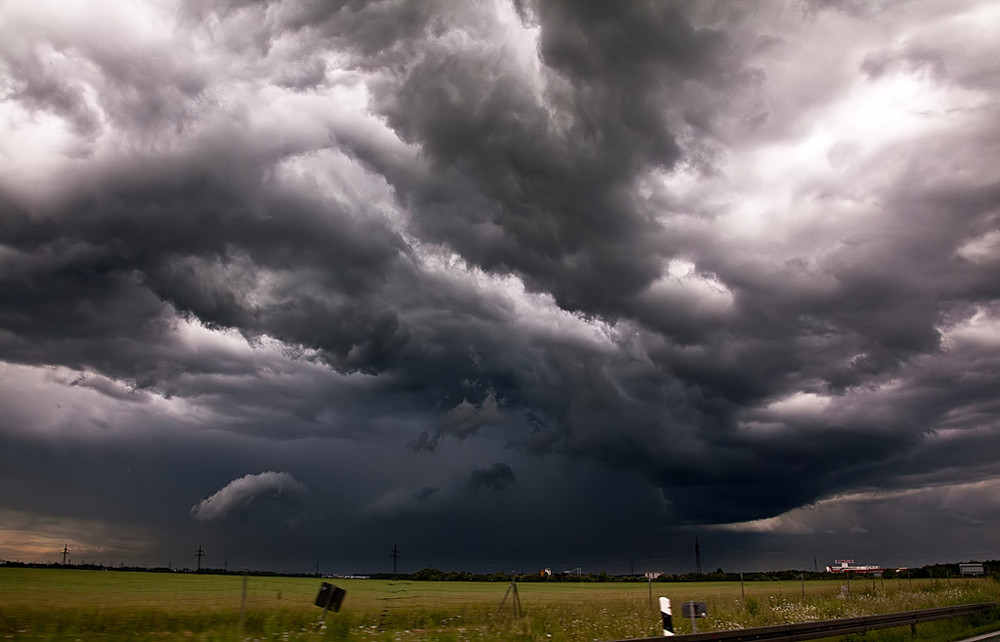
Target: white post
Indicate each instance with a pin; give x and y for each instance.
(668, 622)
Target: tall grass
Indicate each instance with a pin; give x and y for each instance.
(47, 604)
(890, 597)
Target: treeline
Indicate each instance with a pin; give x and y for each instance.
(992, 569)
(932, 571)
(84, 566)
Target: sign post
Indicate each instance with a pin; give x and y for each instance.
(329, 597)
(649, 580)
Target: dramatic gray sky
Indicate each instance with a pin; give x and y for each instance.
(508, 284)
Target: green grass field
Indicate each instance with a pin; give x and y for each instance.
(63, 604)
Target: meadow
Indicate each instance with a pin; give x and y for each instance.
(67, 604)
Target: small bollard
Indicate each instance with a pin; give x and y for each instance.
(667, 614)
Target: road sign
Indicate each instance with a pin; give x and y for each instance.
(330, 597)
(693, 609)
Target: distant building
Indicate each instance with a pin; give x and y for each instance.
(848, 566)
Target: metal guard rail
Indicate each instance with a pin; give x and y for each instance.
(826, 628)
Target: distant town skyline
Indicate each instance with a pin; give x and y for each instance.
(515, 283)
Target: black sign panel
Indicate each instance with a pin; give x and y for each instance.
(330, 596)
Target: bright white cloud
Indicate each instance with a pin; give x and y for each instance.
(799, 404)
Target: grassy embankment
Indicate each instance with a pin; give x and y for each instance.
(51, 604)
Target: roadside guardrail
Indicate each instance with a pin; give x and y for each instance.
(827, 628)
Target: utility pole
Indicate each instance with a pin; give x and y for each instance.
(395, 557)
(65, 552)
(697, 555)
(200, 553)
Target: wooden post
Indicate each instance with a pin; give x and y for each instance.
(243, 601)
(515, 599)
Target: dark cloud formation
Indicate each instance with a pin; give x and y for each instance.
(726, 267)
(494, 477)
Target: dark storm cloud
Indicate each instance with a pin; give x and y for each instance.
(405, 503)
(682, 240)
(533, 161)
(494, 477)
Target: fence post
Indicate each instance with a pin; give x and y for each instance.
(243, 602)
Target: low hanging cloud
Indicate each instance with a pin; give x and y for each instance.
(495, 477)
(241, 495)
(402, 503)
